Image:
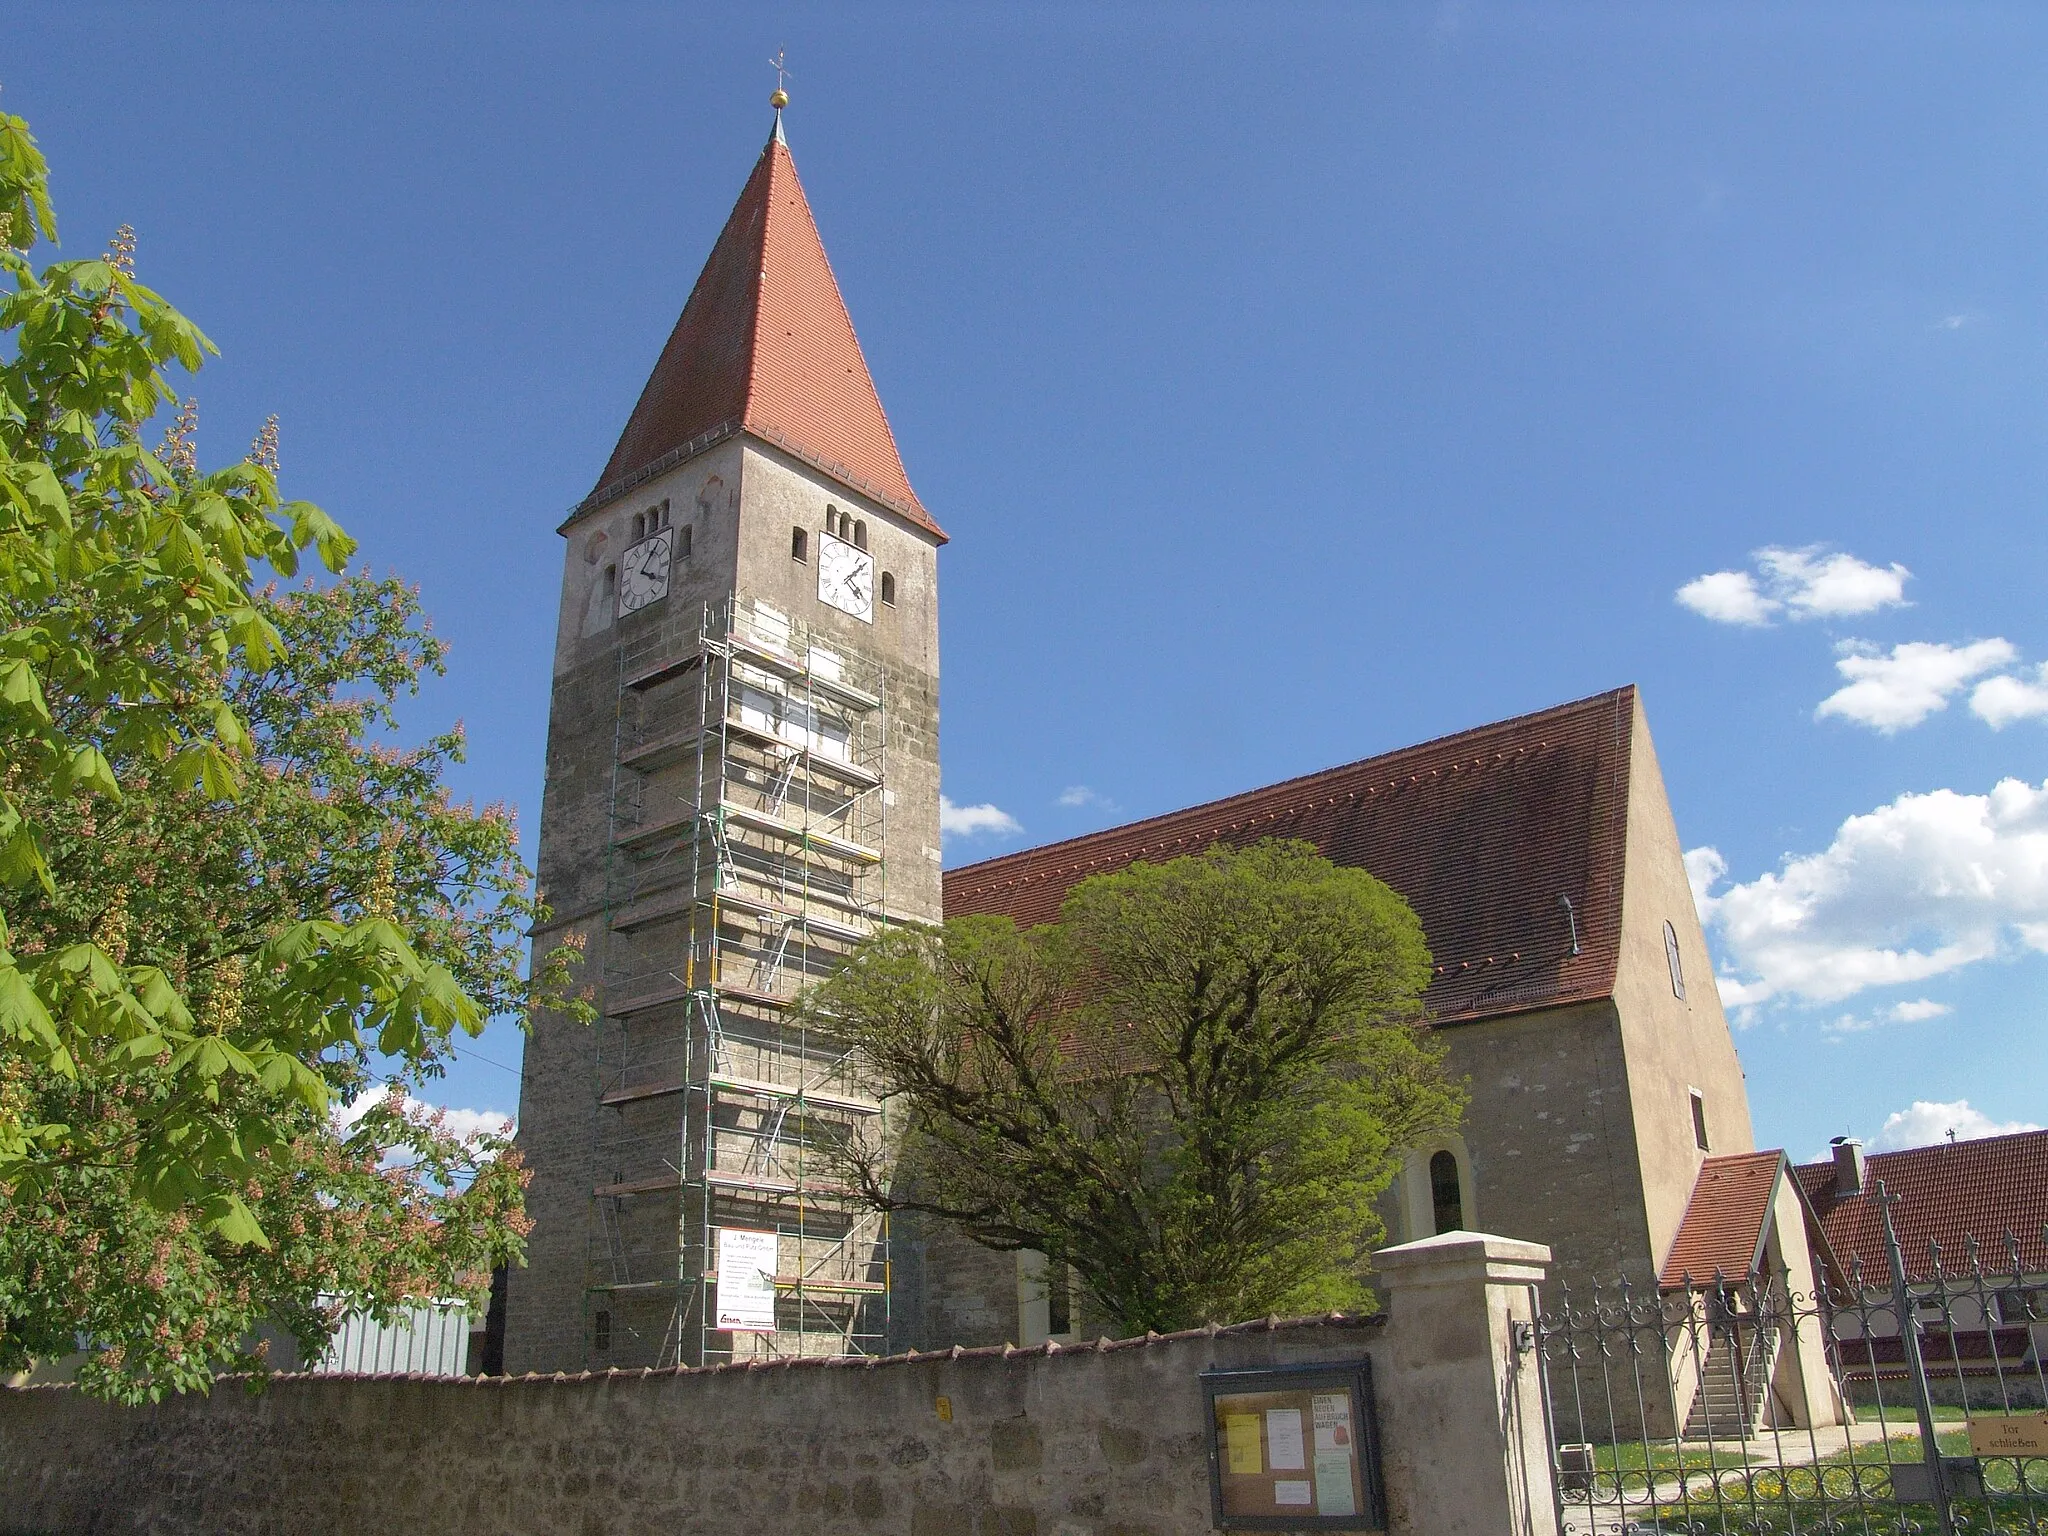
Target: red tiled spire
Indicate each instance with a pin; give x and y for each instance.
(765, 345)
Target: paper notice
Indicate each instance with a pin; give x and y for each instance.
(1241, 1435)
(1285, 1492)
(1333, 1421)
(1334, 1495)
(1283, 1440)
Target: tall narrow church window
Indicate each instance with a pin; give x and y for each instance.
(1671, 959)
(601, 1332)
(831, 519)
(860, 534)
(1699, 1120)
(639, 526)
(1446, 1194)
(888, 590)
(611, 581)
(683, 543)
(799, 544)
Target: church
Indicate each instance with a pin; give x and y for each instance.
(743, 781)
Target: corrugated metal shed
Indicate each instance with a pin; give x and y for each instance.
(432, 1340)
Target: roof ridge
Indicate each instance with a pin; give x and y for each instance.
(1511, 723)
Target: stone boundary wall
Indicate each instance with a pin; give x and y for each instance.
(1106, 1439)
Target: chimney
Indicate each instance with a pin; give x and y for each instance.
(1848, 1166)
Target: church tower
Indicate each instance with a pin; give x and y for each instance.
(742, 781)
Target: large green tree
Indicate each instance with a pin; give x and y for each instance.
(228, 904)
(1191, 1088)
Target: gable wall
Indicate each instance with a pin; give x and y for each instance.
(1672, 1045)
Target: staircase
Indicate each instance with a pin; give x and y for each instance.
(1730, 1402)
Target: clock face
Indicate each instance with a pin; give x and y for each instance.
(643, 572)
(846, 577)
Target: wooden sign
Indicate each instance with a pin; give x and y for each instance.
(1294, 1449)
(2022, 1434)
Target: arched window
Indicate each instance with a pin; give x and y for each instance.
(611, 581)
(860, 535)
(639, 526)
(888, 590)
(1671, 959)
(1446, 1193)
(658, 518)
(831, 519)
(683, 543)
(799, 545)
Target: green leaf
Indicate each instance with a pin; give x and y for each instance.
(20, 689)
(235, 1222)
(22, 1014)
(89, 769)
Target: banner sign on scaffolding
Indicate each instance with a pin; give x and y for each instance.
(746, 1281)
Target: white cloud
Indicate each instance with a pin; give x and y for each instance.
(1728, 597)
(1818, 586)
(1914, 1012)
(1927, 1123)
(1998, 701)
(1925, 885)
(1075, 796)
(465, 1124)
(1918, 1009)
(1806, 583)
(974, 820)
(1889, 691)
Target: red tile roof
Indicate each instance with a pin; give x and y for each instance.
(1482, 832)
(1722, 1232)
(1947, 1193)
(765, 346)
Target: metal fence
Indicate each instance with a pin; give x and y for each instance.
(1905, 1402)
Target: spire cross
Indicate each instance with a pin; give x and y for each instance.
(781, 71)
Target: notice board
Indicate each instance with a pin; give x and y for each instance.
(1294, 1449)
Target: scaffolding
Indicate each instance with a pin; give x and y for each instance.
(745, 859)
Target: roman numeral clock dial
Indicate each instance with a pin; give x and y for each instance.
(643, 572)
(846, 577)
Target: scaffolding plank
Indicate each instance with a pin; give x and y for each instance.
(764, 1089)
(651, 1186)
(634, 1095)
(775, 826)
(661, 670)
(663, 750)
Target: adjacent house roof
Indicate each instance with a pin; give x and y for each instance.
(1482, 832)
(1990, 1189)
(765, 346)
(1726, 1219)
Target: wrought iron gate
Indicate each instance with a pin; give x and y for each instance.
(1911, 1402)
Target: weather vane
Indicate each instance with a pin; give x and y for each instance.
(781, 97)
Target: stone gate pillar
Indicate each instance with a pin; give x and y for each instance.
(1462, 1408)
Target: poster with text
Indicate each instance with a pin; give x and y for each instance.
(746, 1280)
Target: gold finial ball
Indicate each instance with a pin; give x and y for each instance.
(780, 99)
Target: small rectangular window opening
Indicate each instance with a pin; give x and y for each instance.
(611, 580)
(888, 590)
(799, 545)
(601, 1332)
(1059, 1302)
(683, 543)
(1699, 1120)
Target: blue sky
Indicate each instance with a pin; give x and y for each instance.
(1296, 382)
